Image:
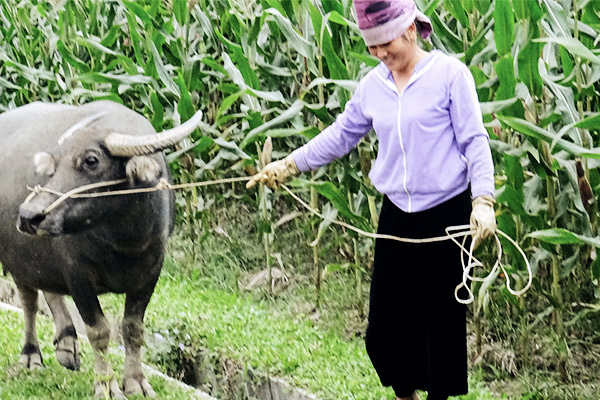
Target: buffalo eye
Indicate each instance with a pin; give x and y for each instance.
(90, 161)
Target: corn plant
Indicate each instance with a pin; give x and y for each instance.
(283, 69)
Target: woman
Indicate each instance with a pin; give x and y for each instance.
(433, 157)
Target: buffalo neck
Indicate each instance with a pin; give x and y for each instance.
(133, 233)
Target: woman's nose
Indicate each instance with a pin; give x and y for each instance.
(378, 52)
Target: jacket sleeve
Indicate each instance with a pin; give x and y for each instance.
(338, 138)
(471, 135)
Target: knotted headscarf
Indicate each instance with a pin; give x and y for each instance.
(381, 21)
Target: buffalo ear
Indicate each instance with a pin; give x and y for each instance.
(142, 169)
(44, 164)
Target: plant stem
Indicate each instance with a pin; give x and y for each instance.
(373, 211)
(554, 263)
(358, 275)
(365, 166)
(357, 272)
(316, 263)
(314, 201)
(265, 217)
(478, 335)
(557, 293)
(578, 69)
(578, 79)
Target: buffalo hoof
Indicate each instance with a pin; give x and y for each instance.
(67, 352)
(107, 389)
(31, 357)
(138, 386)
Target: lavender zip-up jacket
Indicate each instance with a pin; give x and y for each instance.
(432, 141)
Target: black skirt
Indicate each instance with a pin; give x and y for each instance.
(416, 337)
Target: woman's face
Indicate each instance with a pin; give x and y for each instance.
(398, 53)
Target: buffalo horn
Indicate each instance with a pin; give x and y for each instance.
(122, 145)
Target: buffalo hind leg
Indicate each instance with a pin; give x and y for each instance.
(98, 332)
(134, 381)
(65, 337)
(31, 356)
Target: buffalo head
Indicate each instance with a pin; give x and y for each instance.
(88, 153)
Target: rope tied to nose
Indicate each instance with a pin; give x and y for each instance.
(79, 192)
(452, 232)
(73, 193)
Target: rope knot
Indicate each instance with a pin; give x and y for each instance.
(37, 189)
(163, 184)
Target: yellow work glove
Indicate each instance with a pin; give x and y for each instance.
(483, 219)
(275, 173)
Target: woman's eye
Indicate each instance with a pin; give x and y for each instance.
(91, 161)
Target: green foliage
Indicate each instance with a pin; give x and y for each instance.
(285, 69)
(504, 26)
(249, 333)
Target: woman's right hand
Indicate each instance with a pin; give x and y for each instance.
(276, 173)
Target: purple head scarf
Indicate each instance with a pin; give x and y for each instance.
(381, 21)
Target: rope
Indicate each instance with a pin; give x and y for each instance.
(74, 192)
(461, 230)
(162, 184)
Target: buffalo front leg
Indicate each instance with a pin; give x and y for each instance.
(65, 336)
(134, 381)
(98, 332)
(105, 383)
(31, 356)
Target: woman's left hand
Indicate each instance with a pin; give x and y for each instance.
(483, 218)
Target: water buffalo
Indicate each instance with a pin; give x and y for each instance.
(85, 246)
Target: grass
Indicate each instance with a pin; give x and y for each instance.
(53, 381)
(252, 336)
(186, 316)
(237, 328)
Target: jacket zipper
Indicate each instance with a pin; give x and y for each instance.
(403, 151)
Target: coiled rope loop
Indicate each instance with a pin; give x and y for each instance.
(452, 232)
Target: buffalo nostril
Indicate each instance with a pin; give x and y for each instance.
(30, 225)
(29, 219)
(37, 220)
